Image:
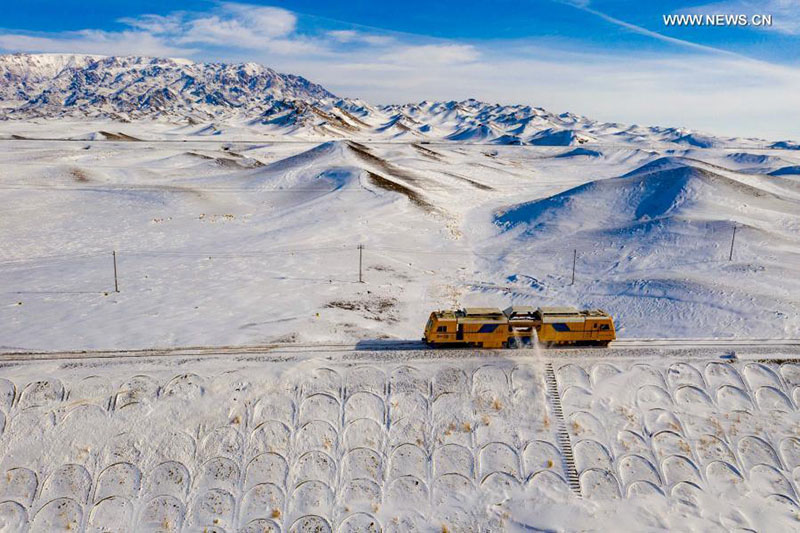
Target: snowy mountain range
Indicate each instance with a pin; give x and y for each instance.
(217, 96)
(134, 87)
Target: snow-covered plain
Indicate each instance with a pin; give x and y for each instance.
(221, 241)
(400, 441)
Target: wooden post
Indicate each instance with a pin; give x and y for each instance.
(574, 259)
(360, 257)
(116, 283)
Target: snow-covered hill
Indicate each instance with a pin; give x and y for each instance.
(250, 101)
(660, 236)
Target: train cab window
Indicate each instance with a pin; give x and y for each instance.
(604, 326)
(441, 329)
(487, 328)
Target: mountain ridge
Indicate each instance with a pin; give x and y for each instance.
(250, 95)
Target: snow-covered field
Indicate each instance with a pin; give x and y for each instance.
(402, 441)
(238, 203)
(222, 241)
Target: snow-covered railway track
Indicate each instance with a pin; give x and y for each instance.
(283, 350)
(694, 343)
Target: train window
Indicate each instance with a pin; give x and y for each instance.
(487, 328)
(441, 329)
(604, 326)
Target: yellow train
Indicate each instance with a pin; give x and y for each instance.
(489, 327)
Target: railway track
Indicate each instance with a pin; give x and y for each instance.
(384, 346)
(696, 343)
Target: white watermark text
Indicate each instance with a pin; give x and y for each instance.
(719, 19)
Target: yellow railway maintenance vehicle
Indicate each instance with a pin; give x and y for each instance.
(489, 327)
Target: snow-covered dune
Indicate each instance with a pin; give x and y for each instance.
(662, 190)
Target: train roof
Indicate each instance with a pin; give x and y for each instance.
(482, 311)
(563, 311)
(594, 312)
(521, 312)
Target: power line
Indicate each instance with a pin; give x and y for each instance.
(589, 255)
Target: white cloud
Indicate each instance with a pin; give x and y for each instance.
(239, 25)
(156, 24)
(231, 25)
(432, 54)
(344, 36)
(352, 36)
(94, 42)
(268, 21)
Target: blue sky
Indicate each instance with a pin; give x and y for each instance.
(613, 60)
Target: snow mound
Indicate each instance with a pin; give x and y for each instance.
(661, 189)
(697, 140)
(753, 159)
(336, 165)
(577, 152)
(508, 140)
(301, 170)
(785, 145)
(791, 170)
(472, 134)
(555, 137)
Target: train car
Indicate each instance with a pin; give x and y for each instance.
(517, 326)
(568, 325)
(484, 327)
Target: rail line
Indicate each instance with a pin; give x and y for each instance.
(383, 346)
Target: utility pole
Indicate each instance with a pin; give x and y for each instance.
(574, 259)
(360, 257)
(116, 284)
(733, 239)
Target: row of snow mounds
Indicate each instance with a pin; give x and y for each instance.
(324, 449)
(685, 428)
